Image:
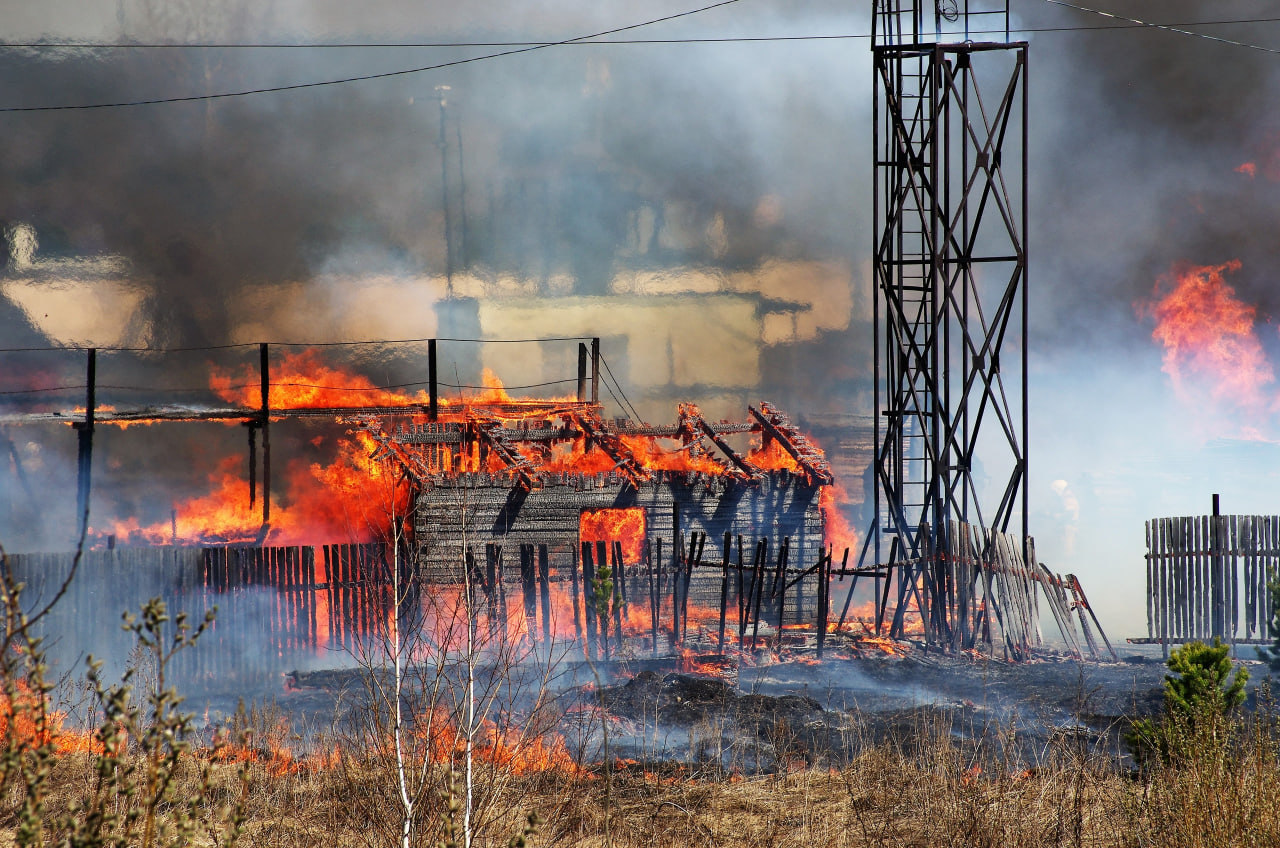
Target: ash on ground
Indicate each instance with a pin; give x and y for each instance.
(784, 714)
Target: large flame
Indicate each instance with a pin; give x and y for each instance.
(1208, 336)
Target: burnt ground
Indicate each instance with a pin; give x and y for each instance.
(752, 718)
(828, 712)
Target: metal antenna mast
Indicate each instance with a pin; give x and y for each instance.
(950, 266)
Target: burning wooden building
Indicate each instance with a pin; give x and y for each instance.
(553, 473)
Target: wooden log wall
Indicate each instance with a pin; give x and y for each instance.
(471, 510)
(1207, 577)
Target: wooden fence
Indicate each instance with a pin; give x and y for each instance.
(1206, 573)
(974, 588)
(278, 608)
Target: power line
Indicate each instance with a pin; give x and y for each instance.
(620, 391)
(1178, 28)
(581, 41)
(384, 75)
(205, 348)
(589, 41)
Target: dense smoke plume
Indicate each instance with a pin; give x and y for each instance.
(320, 214)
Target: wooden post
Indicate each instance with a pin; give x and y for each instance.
(696, 543)
(603, 604)
(621, 569)
(544, 584)
(759, 567)
(84, 439)
(742, 597)
(617, 594)
(433, 388)
(595, 370)
(655, 588)
(582, 372)
(573, 579)
(500, 590)
(529, 592)
(265, 373)
(779, 592)
(724, 587)
(824, 599)
(589, 596)
(677, 552)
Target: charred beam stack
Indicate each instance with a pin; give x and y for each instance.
(1207, 575)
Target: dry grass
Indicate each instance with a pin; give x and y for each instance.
(933, 786)
(923, 791)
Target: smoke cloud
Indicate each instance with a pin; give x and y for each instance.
(591, 172)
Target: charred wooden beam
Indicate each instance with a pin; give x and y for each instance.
(489, 433)
(692, 422)
(778, 426)
(614, 447)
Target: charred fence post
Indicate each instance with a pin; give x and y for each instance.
(589, 596)
(724, 588)
(758, 568)
(573, 578)
(824, 600)
(490, 585)
(655, 602)
(603, 580)
(84, 438)
(616, 591)
(544, 585)
(528, 591)
(264, 364)
(654, 588)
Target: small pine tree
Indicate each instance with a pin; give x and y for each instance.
(1199, 697)
(1202, 686)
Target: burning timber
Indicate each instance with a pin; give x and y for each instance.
(709, 537)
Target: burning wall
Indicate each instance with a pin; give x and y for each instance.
(472, 510)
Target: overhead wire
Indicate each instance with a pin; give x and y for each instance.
(204, 348)
(518, 47)
(363, 77)
(607, 370)
(588, 41)
(1176, 28)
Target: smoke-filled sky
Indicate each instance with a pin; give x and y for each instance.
(213, 221)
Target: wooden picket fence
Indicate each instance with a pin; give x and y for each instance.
(1207, 577)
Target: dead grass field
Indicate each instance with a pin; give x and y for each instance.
(928, 790)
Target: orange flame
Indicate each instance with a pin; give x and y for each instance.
(615, 525)
(1208, 336)
(20, 724)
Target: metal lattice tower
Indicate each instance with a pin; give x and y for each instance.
(950, 126)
